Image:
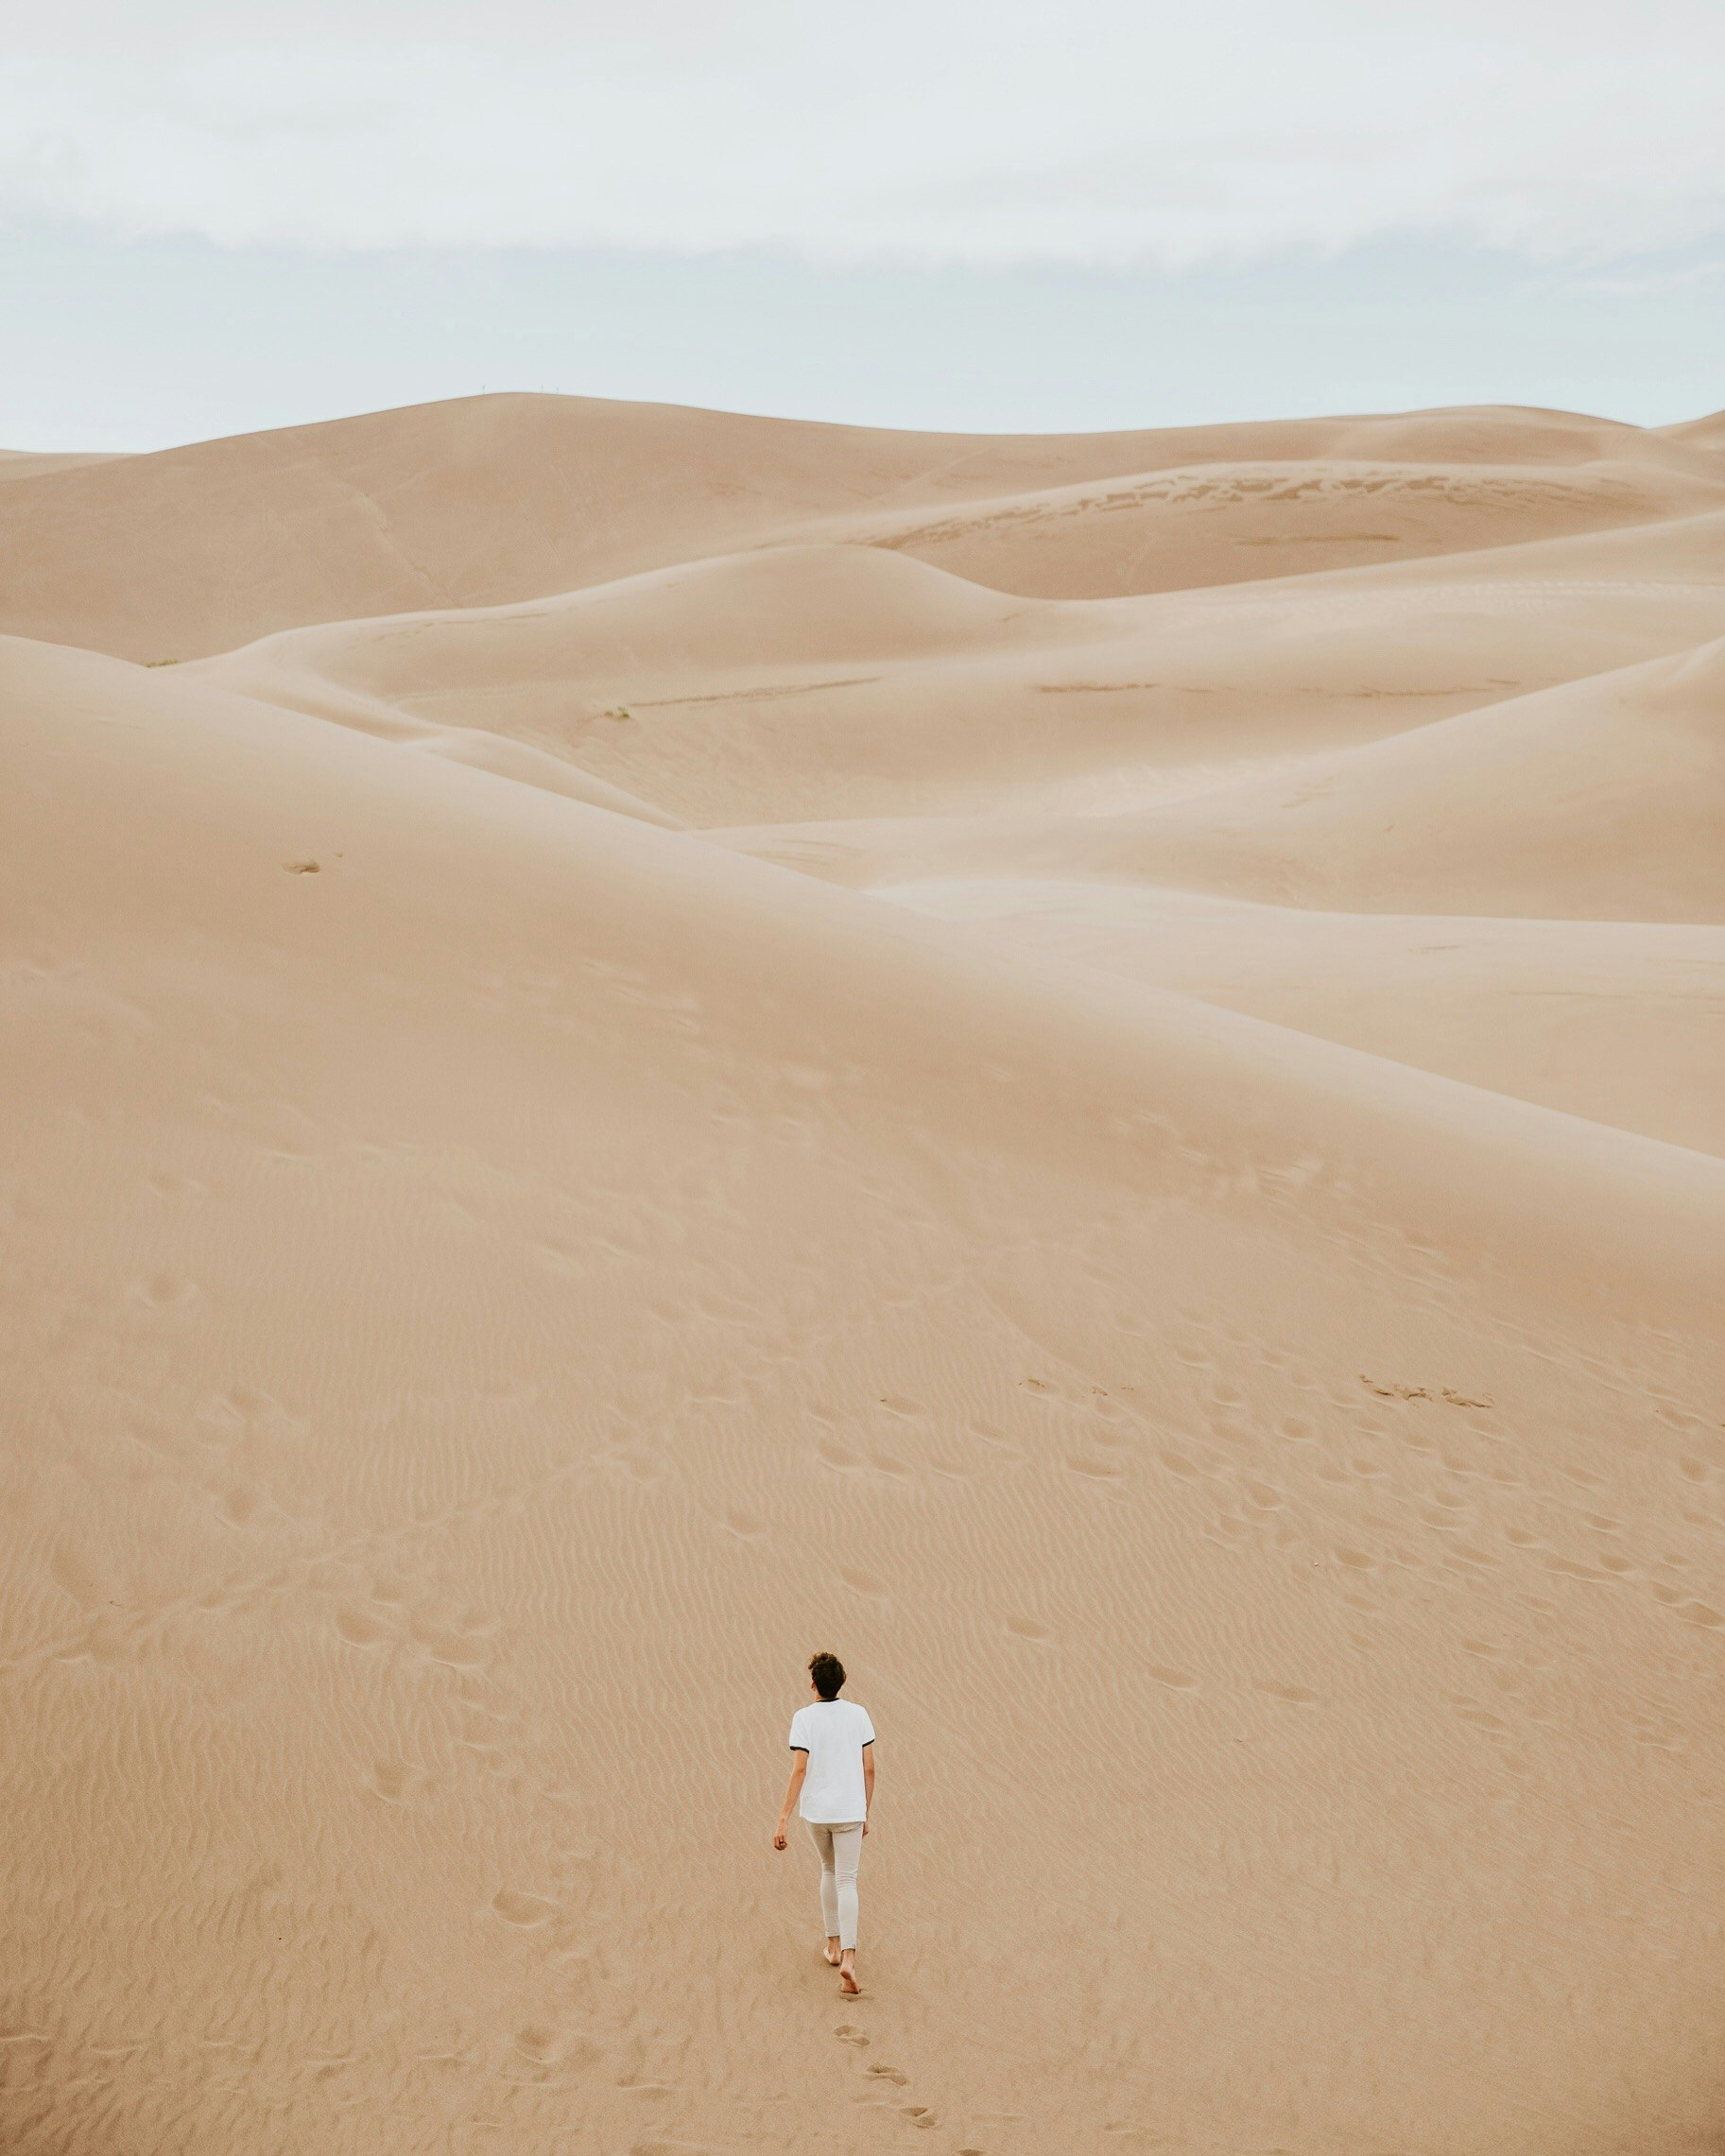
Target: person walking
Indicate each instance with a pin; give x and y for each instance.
(832, 1785)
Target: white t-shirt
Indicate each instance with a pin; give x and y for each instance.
(833, 1733)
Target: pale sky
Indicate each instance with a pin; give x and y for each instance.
(1108, 212)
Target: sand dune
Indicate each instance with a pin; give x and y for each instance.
(844, 680)
(1210, 1304)
(36, 464)
(1617, 1020)
(1599, 800)
(494, 499)
(485, 500)
(1220, 524)
(1707, 432)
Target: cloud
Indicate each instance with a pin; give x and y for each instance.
(1100, 131)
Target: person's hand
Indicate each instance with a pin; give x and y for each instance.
(865, 1826)
(778, 1836)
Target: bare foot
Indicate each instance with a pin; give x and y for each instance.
(828, 1954)
(847, 1973)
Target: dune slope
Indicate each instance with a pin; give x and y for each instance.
(1615, 1020)
(1597, 799)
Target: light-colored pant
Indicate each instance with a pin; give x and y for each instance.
(839, 1847)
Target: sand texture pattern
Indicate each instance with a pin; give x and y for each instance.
(1088, 1069)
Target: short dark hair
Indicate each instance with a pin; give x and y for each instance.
(828, 1673)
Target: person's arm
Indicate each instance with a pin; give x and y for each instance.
(792, 1790)
(867, 1781)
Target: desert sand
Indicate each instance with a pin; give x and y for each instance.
(1087, 1069)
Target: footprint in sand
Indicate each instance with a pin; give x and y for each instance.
(73, 1577)
(168, 1184)
(522, 1909)
(1027, 1628)
(1571, 1570)
(163, 1291)
(1446, 1393)
(454, 1650)
(240, 1405)
(862, 1582)
(1585, 1476)
(1095, 1470)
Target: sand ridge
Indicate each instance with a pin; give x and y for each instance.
(1142, 1161)
(485, 500)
